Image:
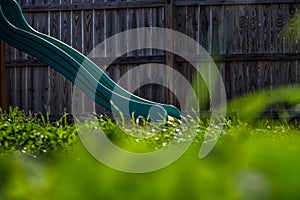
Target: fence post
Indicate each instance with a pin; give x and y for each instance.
(169, 16)
(3, 85)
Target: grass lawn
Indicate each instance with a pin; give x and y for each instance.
(250, 161)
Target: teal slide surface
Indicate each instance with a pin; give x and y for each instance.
(66, 60)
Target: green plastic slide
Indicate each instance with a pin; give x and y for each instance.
(66, 60)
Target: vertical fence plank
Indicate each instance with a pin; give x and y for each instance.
(266, 37)
(266, 30)
(132, 23)
(3, 84)
(180, 25)
(99, 36)
(77, 44)
(121, 24)
(11, 87)
(27, 78)
(297, 19)
(145, 76)
(254, 27)
(290, 73)
(205, 39)
(21, 89)
(110, 30)
(240, 76)
(170, 24)
(18, 86)
(289, 30)
(241, 69)
(40, 74)
(279, 22)
(217, 30)
(232, 78)
(204, 27)
(149, 93)
(253, 76)
(229, 31)
(242, 24)
(217, 47)
(65, 34)
(99, 31)
(56, 89)
(89, 105)
(158, 20)
(265, 76)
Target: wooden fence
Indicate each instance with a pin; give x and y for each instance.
(256, 44)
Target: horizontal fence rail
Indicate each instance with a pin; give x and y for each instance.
(140, 4)
(162, 59)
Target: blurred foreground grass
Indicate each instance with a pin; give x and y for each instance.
(248, 162)
(254, 159)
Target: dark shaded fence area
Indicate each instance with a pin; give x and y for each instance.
(255, 44)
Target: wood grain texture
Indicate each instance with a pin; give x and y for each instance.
(289, 30)
(254, 27)
(3, 77)
(56, 90)
(241, 25)
(217, 34)
(255, 45)
(229, 30)
(65, 37)
(77, 43)
(88, 45)
(279, 21)
(265, 75)
(11, 86)
(170, 44)
(40, 81)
